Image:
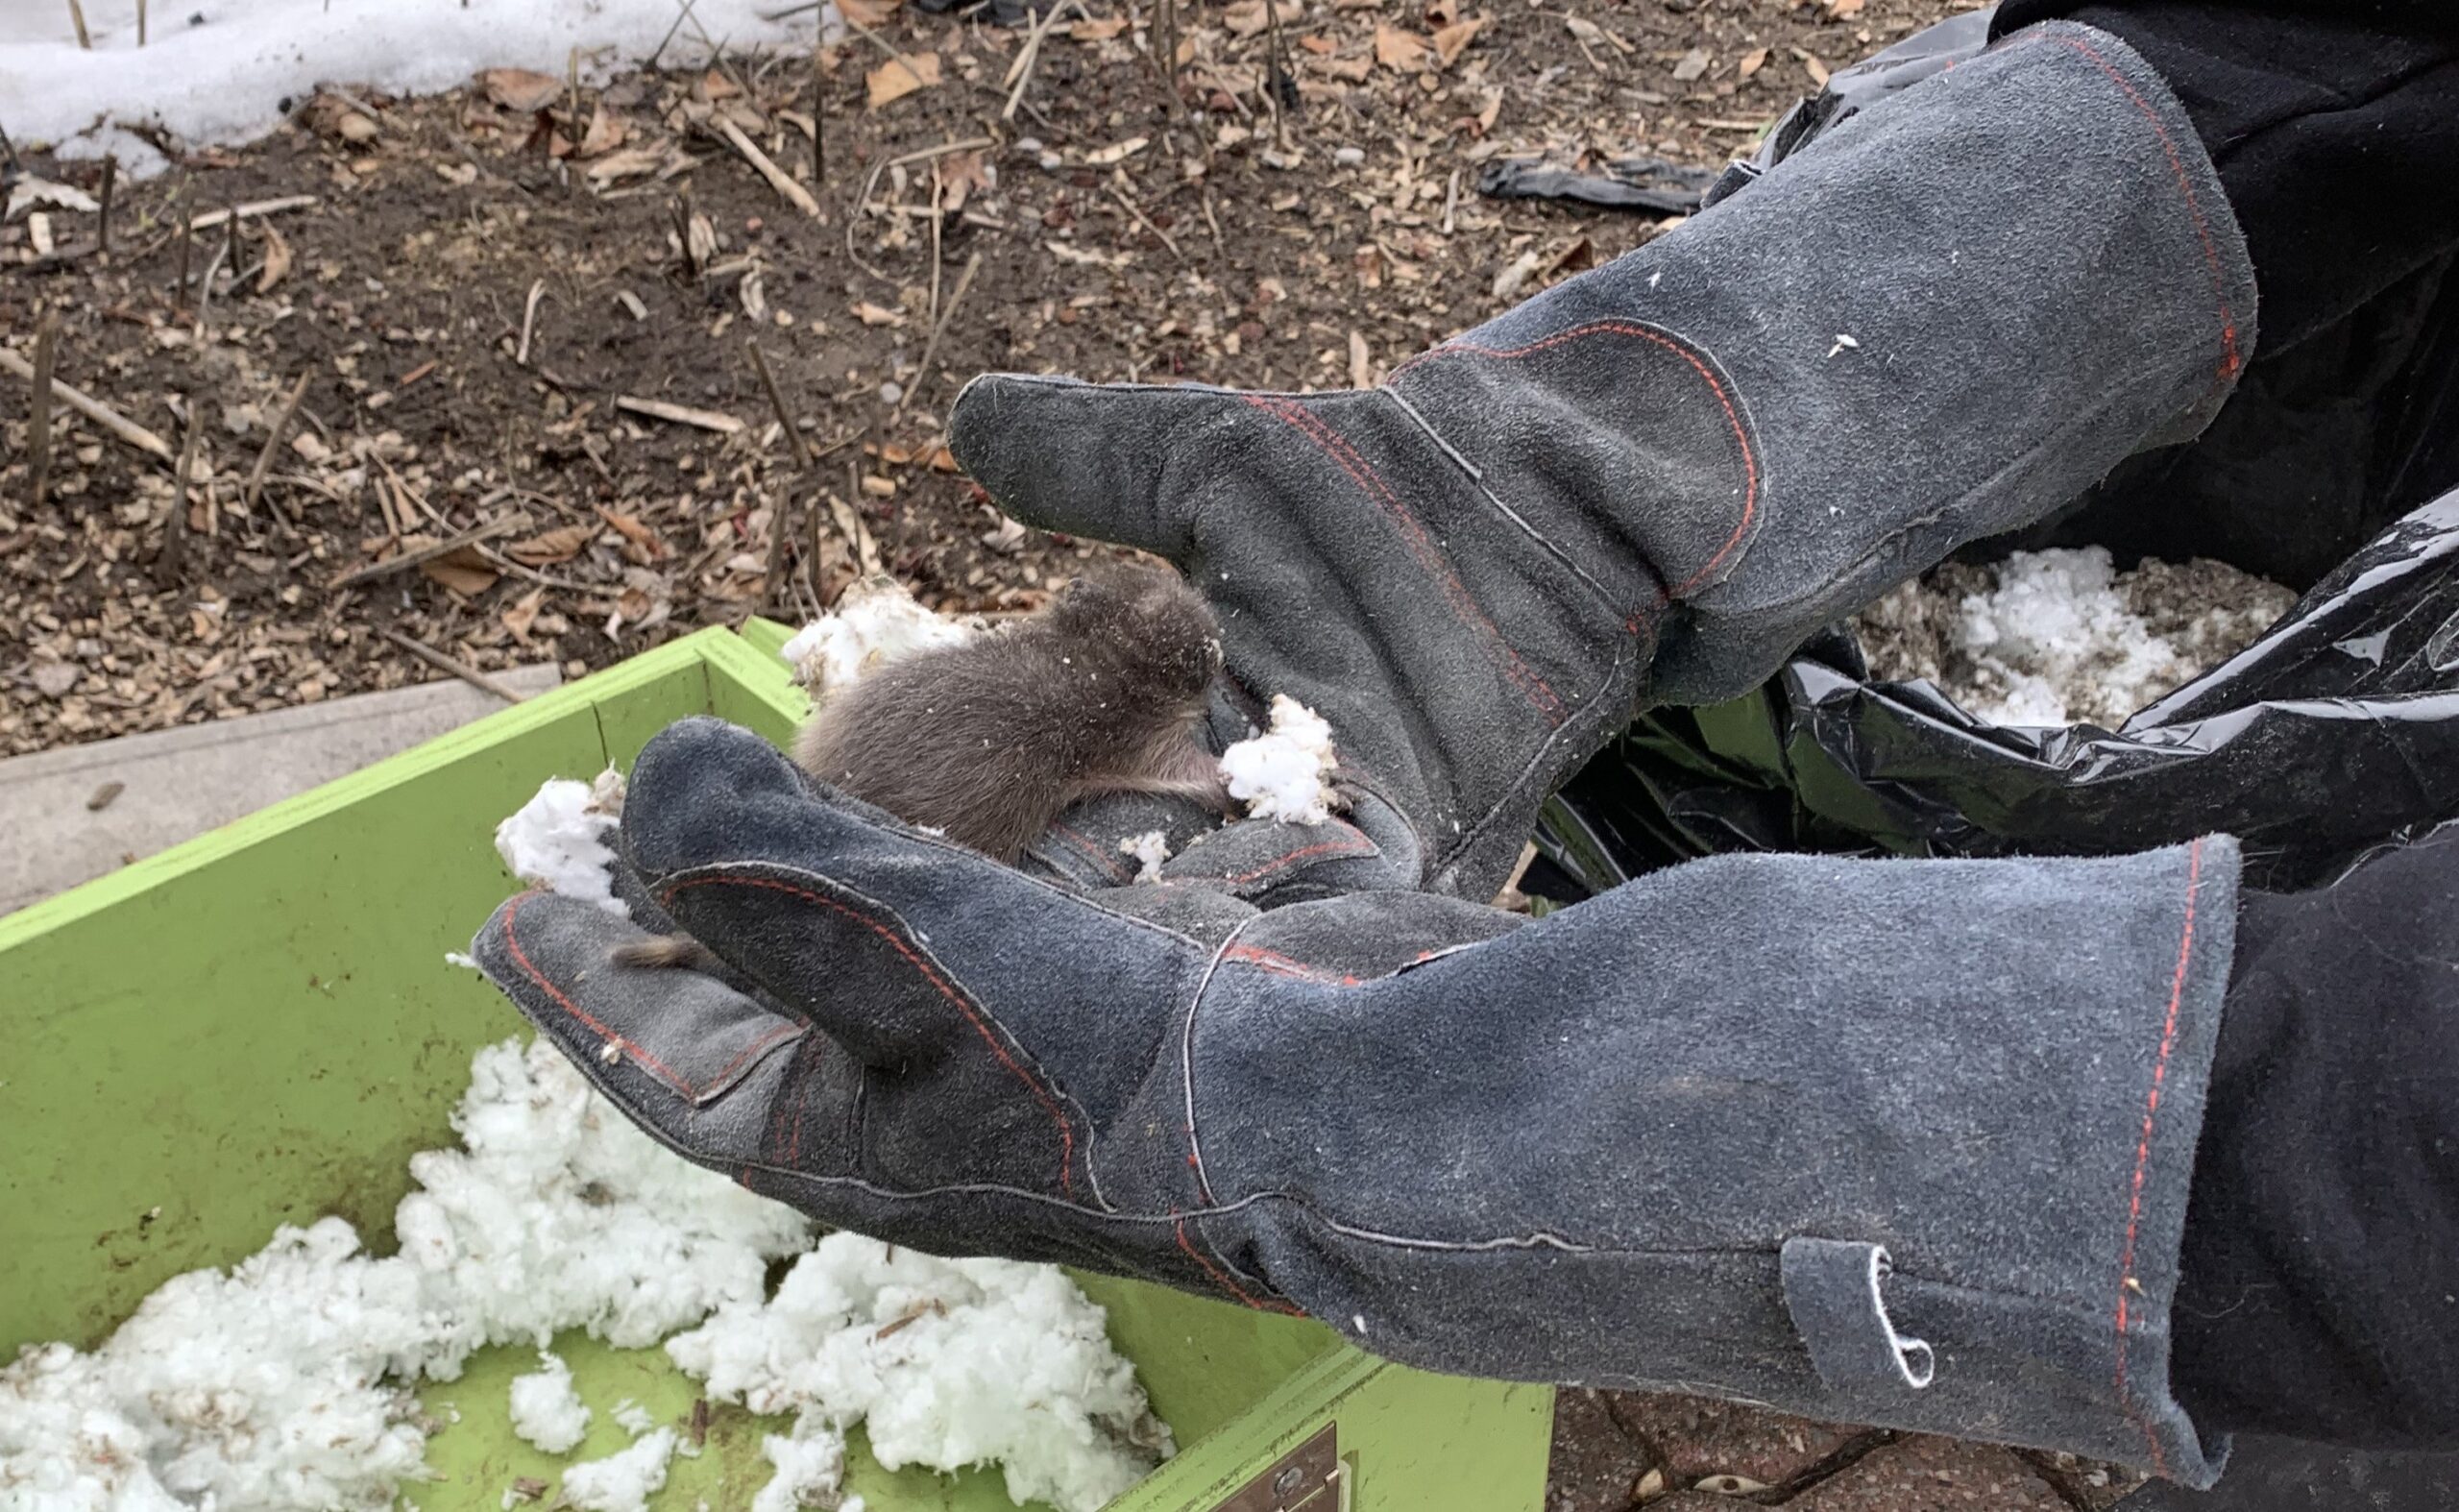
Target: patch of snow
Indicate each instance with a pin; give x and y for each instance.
(875, 621)
(632, 1418)
(547, 1412)
(1150, 849)
(1281, 775)
(622, 1481)
(557, 840)
(947, 1363)
(2060, 637)
(224, 72)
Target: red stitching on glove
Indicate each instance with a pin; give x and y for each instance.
(963, 1003)
(1109, 865)
(1221, 1277)
(1422, 546)
(1287, 966)
(2230, 358)
(2143, 1149)
(1359, 847)
(512, 942)
(1707, 374)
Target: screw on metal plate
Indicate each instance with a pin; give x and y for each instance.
(1297, 1481)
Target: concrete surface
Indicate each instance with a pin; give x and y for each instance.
(177, 784)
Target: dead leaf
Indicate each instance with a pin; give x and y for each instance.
(941, 460)
(1534, 265)
(521, 88)
(1100, 31)
(606, 133)
(1751, 63)
(1816, 70)
(894, 80)
(1694, 63)
(1401, 52)
(1489, 111)
(1117, 152)
(625, 164)
(518, 616)
(1355, 70)
(277, 258)
(1247, 18)
(873, 14)
(324, 114)
(870, 314)
(1730, 1485)
(1839, 9)
(1440, 13)
(646, 547)
(714, 85)
(1452, 39)
(464, 571)
(1361, 365)
(1320, 46)
(1370, 266)
(547, 547)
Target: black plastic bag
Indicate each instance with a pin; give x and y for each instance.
(1622, 183)
(2337, 731)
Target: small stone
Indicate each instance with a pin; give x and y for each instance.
(52, 679)
(1030, 146)
(1050, 161)
(891, 392)
(1349, 157)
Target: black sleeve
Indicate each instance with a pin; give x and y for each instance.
(2334, 125)
(2319, 1289)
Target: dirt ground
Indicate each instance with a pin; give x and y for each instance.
(474, 286)
(488, 296)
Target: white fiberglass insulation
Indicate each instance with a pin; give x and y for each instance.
(2060, 637)
(284, 1384)
(1281, 774)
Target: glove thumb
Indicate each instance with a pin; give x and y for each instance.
(1115, 462)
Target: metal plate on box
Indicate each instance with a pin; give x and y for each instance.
(1308, 1476)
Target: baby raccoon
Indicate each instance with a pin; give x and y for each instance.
(989, 740)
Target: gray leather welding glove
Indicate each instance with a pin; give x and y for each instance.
(1891, 1143)
(1937, 322)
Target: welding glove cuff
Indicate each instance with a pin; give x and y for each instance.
(1934, 323)
(1868, 1141)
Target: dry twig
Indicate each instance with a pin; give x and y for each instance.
(528, 321)
(92, 409)
(252, 209)
(273, 440)
(111, 179)
(1021, 72)
(77, 14)
(722, 423)
(429, 554)
(778, 177)
(453, 665)
(1127, 203)
(38, 414)
(930, 347)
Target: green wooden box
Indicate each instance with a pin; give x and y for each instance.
(260, 1026)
